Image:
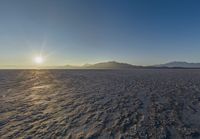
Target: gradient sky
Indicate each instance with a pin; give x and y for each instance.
(141, 32)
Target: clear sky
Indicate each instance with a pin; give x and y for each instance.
(141, 32)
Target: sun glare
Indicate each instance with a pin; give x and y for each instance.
(39, 60)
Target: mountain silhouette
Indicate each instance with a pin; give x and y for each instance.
(110, 65)
(115, 65)
(179, 64)
(119, 65)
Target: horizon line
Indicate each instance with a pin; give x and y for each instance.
(84, 66)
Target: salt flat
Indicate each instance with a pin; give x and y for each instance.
(105, 104)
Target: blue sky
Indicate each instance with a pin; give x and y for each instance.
(141, 32)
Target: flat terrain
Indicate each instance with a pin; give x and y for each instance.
(105, 104)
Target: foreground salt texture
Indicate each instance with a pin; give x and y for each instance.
(100, 104)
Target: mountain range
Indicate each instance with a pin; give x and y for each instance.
(118, 65)
(114, 65)
(179, 64)
(103, 65)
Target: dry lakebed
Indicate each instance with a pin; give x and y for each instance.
(100, 104)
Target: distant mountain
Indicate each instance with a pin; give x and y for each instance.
(110, 65)
(179, 64)
(103, 65)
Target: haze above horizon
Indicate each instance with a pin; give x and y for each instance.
(139, 32)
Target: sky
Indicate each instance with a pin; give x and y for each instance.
(76, 32)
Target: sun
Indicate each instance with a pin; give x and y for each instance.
(38, 59)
